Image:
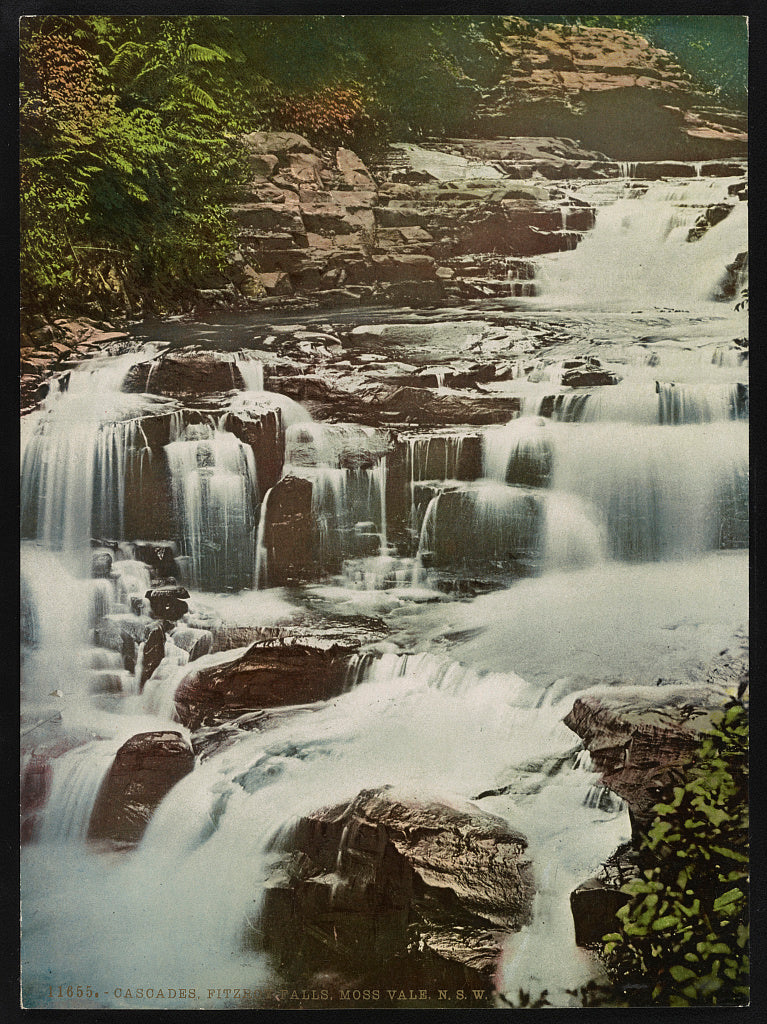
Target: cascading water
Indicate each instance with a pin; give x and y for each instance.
(617, 514)
(348, 504)
(639, 251)
(77, 454)
(650, 492)
(213, 476)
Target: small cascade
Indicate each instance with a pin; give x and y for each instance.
(333, 444)
(434, 462)
(77, 778)
(215, 491)
(603, 799)
(262, 555)
(638, 250)
(291, 412)
(651, 402)
(574, 535)
(57, 613)
(519, 453)
(158, 696)
(348, 507)
(251, 370)
(133, 580)
(77, 452)
(490, 524)
(661, 493)
(73, 481)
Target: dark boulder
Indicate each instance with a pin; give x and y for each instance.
(159, 555)
(288, 531)
(271, 673)
(168, 602)
(154, 652)
(589, 377)
(596, 901)
(389, 887)
(144, 770)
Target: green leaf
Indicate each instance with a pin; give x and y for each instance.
(669, 921)
(680, 973)
(728, 898)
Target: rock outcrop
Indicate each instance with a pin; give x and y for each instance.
(399, 890)
(640, 745)
(271, 673)
(144, 770)
(642, 748)
(191, 371)
(608, 88)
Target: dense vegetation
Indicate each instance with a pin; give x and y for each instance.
(683, 936)
(129, 128)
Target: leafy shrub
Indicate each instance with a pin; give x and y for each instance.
(334, 115)
(683, 936)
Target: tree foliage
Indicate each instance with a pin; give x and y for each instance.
(125, 163)
(683, 936)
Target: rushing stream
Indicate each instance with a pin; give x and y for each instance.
(626, 508)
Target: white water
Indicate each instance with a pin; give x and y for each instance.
(638, 250)
(623, 508)
(213, 476)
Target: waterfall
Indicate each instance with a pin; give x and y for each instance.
(519, 453)
(213, 476)
(58, 612)
(638, 249)
(660, 493)
(77, 453)
(348, 509)
(73, 478)
(589, 547)
(251, 370)
(312, 443)
(77, 778)
(663, 402)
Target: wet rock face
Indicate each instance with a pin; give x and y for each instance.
(270, 674)
(191, 372)
(154, 652)
(419, 888)
(288, 531)
(262, 430)
(641, 748)
(144, 770)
